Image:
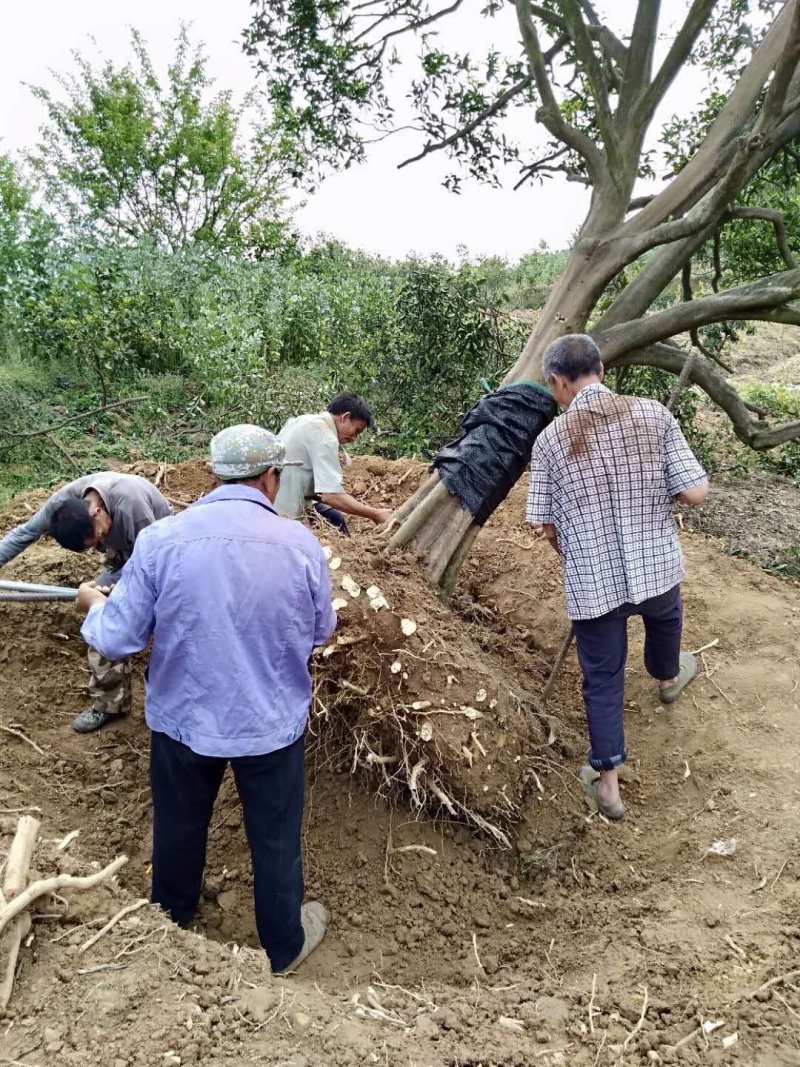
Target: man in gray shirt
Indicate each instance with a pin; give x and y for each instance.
(105, 511)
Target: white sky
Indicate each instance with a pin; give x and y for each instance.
(374, 206)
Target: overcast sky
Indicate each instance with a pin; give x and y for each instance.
(375, 206)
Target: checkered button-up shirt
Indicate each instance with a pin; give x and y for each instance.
(605, 474)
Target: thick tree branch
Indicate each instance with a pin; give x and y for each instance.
(680, 50)
(787, 314)
(782, 80)
(639, 202)
(639, 65)
(719, 146)
(702, 214)
(493, 109)
(738, 303)
(661, 268)
(716, 256)
(751, 432)
(748, 155)
(549, 114)
(614, 49)
(593, 72)
(778, 221)
(556, 48)
(694, 334)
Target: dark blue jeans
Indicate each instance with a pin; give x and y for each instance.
(602, 645)
(271, 789)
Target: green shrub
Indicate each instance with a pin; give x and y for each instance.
(782, 404)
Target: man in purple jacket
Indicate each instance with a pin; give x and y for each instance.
(235, 599)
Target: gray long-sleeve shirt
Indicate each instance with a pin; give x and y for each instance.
(131, 502)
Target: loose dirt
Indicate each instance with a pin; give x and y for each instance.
(584, 943)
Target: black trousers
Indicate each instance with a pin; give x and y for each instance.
(331, 516)
(602, 646)
(271, 789)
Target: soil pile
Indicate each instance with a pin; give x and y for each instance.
(584, 943)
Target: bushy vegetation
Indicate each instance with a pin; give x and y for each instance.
(145, 251)
(256, 340)
(780, 403)
(139, 262)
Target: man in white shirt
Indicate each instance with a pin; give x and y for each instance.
(604, 478)
(316, 487)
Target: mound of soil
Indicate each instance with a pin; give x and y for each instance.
(583, 943)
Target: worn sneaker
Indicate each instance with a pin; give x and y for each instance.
(590, 780)
(314, 919)
(90, 720)
(686, 673)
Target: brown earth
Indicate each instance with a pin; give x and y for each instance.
(461, 952)
(755, 515)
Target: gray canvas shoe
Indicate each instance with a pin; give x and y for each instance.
(90, 720)
(590, 780)
(687, 672)
(314, 920)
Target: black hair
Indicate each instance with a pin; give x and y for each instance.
(349, 402)
(72, 525)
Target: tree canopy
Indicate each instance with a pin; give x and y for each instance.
(334, 73)
(124, 155)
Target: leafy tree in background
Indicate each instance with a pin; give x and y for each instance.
(26, 233)
(594, 88)
(124, 156)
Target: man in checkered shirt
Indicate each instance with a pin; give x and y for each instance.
(604, 477)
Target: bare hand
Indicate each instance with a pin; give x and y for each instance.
(382, 515)
(88, 596)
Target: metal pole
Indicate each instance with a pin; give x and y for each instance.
(24, 598)
(34, 587)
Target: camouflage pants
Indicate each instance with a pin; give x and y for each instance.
(110, 684)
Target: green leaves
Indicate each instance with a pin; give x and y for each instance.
(124, 156)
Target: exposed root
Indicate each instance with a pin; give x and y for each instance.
(52, 885)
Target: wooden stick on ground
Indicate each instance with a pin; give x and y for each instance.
(778, 980)
(562, 655)
(22, 737)
(640, 1023)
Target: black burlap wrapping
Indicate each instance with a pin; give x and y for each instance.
(483, 463)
